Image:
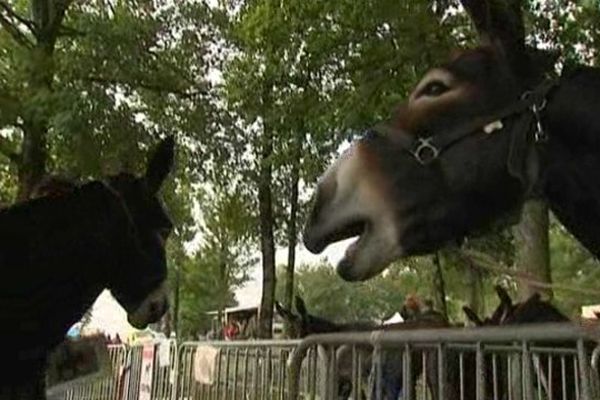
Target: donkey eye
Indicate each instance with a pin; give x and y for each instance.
(434, 88)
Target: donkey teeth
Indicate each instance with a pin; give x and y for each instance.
(493, 126)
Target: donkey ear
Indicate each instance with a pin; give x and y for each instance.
(282, 311)
(472, 316)
(503, 295)
(160, 163)
(301, 307)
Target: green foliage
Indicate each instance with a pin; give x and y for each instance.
(572, 266)
(308, 72)
(200, 292)
(123, 74)
(328, 296)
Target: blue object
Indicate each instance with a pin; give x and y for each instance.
(74, 331)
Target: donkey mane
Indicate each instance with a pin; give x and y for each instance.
(571, 187)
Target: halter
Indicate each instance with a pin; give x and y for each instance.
(522, 161)
(426, 149)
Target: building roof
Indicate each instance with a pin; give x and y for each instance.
(234, 310)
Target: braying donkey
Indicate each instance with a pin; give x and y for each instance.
(470, 145)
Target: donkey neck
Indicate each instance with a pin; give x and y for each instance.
(58, 252)
(571, 179)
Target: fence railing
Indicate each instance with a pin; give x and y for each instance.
(546, 362)
(106, 388)
(533, 362)
(234, 370)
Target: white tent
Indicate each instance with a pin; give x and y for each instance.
(590, 311)
(394, 319)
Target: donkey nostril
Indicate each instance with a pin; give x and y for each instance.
(164, 308)
(156, 309)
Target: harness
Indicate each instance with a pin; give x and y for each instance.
(522, 162)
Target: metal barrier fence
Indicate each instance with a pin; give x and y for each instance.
(106, 388)
(546, 362)
(234, 370)
(541, 362)
(248, 370)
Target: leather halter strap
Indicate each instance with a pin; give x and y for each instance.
(426, 149)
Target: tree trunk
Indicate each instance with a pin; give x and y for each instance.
(267, 240)
(292, 228)
(439, 286)
(35, 123)
(33, 159)
(533, 249)
(475, 289)
(224, 287)
(176, 299)
(166, 323)
(501, 21)
(47, 17)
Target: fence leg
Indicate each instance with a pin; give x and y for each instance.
(480, 371)
(584, 371)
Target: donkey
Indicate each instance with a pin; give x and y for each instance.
(391, 384)
(533, 310)
(500, 314)
(303, 324)
(472, 143)
(59, 252)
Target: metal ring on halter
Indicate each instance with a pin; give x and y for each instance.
(425, 152)
(525, 95)
(542, 106)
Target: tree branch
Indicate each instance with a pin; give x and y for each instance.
(72, 32)
(157, 57)
(15, 32)
(55, 24)
(144, 85)
(49, 19)
(13, 14)
(6, 151)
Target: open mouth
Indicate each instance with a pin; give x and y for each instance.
(354, 247)
(137, 323)
(349, 230)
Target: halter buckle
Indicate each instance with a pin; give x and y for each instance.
(425, 151)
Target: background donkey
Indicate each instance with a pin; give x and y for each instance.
(391, 384)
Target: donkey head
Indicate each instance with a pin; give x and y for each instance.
(293, 321)
(503, 312)
(139, 284)
(303, 323)
(404, 201)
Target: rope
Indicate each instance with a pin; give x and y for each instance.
(485, 262)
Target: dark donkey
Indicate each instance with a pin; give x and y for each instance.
(59, 252)
(304, 324)
(556, 377)
(474, 140)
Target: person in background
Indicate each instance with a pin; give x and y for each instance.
(231, 330)
(411, 308)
